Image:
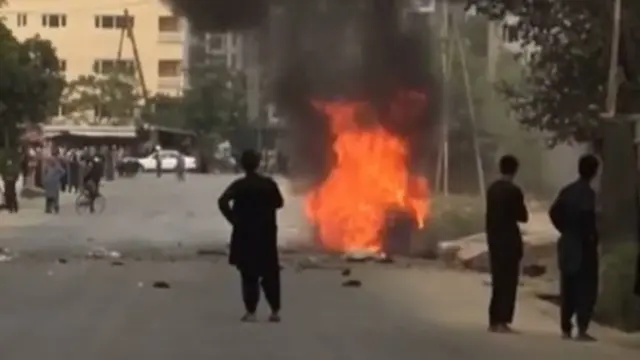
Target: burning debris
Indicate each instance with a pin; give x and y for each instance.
(352, 80)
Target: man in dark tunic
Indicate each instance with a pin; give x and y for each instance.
(505, 209)
(573, 214)
(250, 205)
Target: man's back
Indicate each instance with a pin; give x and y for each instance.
(505, 208)
(250, 205)
(255, 201)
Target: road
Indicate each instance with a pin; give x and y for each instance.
(90, 309)
(144, 213)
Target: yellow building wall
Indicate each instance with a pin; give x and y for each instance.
(80, 43)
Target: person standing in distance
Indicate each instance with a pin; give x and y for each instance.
(505, 209)
(250, 205)
(573, 214)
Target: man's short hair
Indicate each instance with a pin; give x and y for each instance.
(250, 160)
(508, 165)
(588, 166)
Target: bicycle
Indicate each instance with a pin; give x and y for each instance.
(84, 201)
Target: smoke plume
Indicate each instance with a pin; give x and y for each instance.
(331, 49)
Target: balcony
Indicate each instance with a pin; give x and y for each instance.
(172, 37)
(170, 83)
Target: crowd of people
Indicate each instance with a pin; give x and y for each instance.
(60, 170)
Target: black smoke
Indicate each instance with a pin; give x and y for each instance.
(333, 49)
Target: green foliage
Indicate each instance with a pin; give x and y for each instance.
(619, 306)
(215, 100)
(112, 98)
(563, 91)
(30, 80)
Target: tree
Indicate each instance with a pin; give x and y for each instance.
(563, 92)
(216, 98)
(102, 99)
(30, 82)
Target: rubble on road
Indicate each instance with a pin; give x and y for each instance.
(352, 283)
(161, 285)
(101, 253)
(62, 261)
(471, 252)
(6, 255)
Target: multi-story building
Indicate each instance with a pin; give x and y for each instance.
(86, 35)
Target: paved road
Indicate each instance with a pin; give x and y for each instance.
(144, 212)
(89, 309)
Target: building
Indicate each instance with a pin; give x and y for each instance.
(87, 35)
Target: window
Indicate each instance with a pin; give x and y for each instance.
(510, 33)
(107, 66)
(215, 42)
(54, 20)
(112, 21)
(22, 19)
(169, 68)
(168, 24)
(62, 65)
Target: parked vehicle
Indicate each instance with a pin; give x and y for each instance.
(168, 162)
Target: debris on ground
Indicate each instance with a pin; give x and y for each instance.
(103, 253)
(384, 259)
(6, 255)
(366, 256)
(352, 283)
(62, 261)
(161, 285)
(117, 263)
(346, 272)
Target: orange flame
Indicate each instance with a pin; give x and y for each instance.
(369, 177)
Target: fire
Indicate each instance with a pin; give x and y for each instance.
(369, 177)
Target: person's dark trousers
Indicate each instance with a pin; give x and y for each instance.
(505, 273)
(10, 196)
(578, 295)
(253, 280)
(51, 205)
(11, 200)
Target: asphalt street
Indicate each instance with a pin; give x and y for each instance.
(88, 309)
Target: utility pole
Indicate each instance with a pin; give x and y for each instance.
(446, 45)
(252, 70)
(472, 111)
(612, 83)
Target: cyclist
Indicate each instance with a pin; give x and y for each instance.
(92, 181)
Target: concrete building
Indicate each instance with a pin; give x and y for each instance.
(87, 34)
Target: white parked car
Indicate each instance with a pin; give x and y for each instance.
(168, 161)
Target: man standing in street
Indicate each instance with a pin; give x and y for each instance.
(505, 209)
(250, 205)
(573, 214)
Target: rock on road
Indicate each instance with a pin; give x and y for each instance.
(91, 310)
